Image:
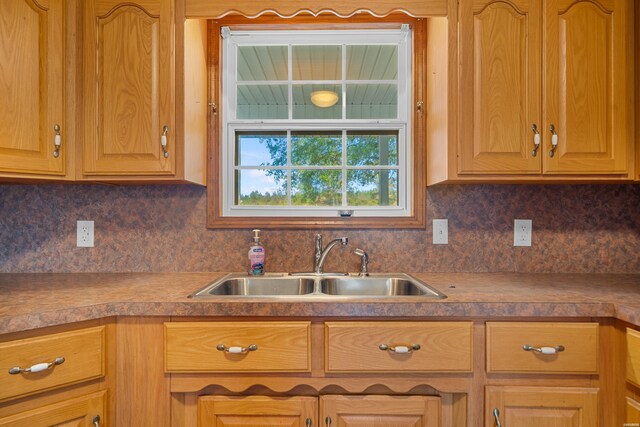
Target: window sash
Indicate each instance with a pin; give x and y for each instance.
(401, 124)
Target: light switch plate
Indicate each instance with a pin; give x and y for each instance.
(440, 231)
(522, 232)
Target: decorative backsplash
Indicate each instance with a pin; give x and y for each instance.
(576, 228)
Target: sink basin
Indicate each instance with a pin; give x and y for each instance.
(324, 286)
(242, 285)
(377, 286)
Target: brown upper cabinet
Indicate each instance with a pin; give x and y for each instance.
(129, 88)
(129, 69)
(543, 88)
(32, 82)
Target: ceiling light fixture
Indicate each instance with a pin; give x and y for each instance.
(324, 98)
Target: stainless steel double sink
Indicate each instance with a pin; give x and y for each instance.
(283, 285)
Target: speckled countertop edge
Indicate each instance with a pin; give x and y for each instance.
(30, 301)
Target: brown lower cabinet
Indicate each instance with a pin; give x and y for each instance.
(85, 411)
(334, 410)
(541, 406)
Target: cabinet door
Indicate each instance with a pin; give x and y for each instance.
(542, 407)
(31, 86)
(588, 86)
(128, 87)
(257, 411)
(632, 411)
(387, 411)
(86, 411)
(500, 49)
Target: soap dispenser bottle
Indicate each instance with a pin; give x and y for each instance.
(256, 255)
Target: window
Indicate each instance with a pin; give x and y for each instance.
(316, 124)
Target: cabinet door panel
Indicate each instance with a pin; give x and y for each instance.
(129, 89)
(387, 411)
(632, 414)
(256, 411)
(79, 412)
(500, 88)
(31, 85)
(542, 407)
(587, 90)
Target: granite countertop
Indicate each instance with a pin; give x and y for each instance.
(29, 301)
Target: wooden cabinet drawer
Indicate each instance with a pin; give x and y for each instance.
(505, 352)
(279, 346)
(633, 356)
(82, 350)
(355, 346)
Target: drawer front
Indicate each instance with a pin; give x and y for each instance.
(633, 356)
(505, 352)
(355, 346)
(280, 347)
(82, 350)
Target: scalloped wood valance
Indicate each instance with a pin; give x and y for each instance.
(291, 8)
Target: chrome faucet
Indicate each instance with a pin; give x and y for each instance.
(321, 254)
(364, 262)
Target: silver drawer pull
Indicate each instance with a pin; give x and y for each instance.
(38, 367)
(57, 141)
(543, 350)
(163, 141)
(554, 140)
(399, 348)
(496, 415)
(536, 140)
(236, 349)
(96, 421)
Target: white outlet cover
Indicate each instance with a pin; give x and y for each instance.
(84, 234)
(440, 231)
(522, 232)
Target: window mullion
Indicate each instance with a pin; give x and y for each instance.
(344, 167)
(289, 168)
(290, 82)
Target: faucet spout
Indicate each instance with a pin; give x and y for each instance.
(321, 254)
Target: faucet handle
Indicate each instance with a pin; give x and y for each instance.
(364, 265)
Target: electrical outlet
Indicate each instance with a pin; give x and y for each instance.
(440, 231)
(522, 232)
(84, 234)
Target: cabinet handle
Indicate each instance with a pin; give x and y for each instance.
(96, 421)
(536, 140)
(37, 367)
(327, 421)
(163, 141)
(236, 349)
(308, 422)
(57, 141)
(399, 348)
(554, 140)
(543, 350)
(496, 414)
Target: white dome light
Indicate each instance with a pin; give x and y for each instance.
(324, 98)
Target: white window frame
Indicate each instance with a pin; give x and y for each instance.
(402, 124)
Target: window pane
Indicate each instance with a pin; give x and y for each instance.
(262, 63)
(373, 62)
(261, 187)
(262, 102)
(372, 101)
(372, 148)
(261, 148)
(316, 62)
(316, 187)
(316, 148)
(325, 104)
(372, 188)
